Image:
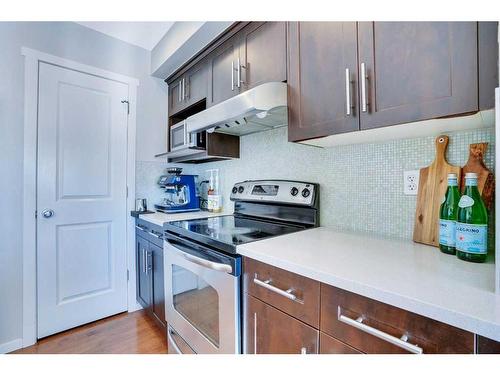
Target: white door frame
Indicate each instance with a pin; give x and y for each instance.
(32, 60)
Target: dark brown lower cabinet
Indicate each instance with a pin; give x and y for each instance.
(487, 346)
(267, 330)
(341, 309)
(330, 345)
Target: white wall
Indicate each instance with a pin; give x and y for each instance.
(75, 42)
(181, 42)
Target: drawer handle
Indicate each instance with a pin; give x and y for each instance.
(400, 342)
(285, 293)
(144, 229)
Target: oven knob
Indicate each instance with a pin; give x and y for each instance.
(294, 191)
(240, 189)
(235, 190)
(306, 192)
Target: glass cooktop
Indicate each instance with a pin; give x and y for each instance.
(229, 230)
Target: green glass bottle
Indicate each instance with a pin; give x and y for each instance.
(472, 223)
(448, 216)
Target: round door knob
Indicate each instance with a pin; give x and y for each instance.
(47, 213)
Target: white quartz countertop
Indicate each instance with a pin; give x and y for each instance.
(410, 276)
(159, 218)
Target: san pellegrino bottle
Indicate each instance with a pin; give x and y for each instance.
(472, 223)
(448, 216)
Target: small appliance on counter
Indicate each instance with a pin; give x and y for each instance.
(180, 191)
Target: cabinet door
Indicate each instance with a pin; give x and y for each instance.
(322, 79)
(263, 53)
(196, 83)
(222, 71)
(175, 97)
(143, 274)
(269, 331)
(417, 71)
(158, 285)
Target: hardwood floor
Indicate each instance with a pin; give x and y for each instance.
(134, 333)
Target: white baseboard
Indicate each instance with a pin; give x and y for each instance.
(10, 346)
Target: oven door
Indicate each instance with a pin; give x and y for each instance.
(178, 136)
(202, 296)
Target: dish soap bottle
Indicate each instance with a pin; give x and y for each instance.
(214, 198)
(448, 216)
(472, 223)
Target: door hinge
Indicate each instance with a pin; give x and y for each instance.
(128, 275)
(128, 106)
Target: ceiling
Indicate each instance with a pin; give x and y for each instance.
(142, 34)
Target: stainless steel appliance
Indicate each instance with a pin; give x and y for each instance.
(261, 108)
(180, 192)
(183, 142)
(203, 269)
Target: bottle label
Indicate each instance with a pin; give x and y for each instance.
(447, 232)
(465, 201)
(472, 238)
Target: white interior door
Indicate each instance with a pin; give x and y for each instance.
(81, 198)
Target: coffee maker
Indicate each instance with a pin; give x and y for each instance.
(180, 191)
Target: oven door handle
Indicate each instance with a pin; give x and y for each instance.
(208, 263)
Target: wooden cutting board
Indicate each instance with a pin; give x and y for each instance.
(485, 178)
(431, 189)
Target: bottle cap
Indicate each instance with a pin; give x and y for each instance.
(471, 175)
(452, 175)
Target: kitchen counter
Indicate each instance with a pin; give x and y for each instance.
(159, 218)
(410, 276)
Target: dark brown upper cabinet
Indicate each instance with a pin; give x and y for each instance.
(196, 84)
(411, 71)
(175, 99)
(346, 76)
(189, 89)
(222, 71)
(322, 79)
(262, 54)
(254, 55)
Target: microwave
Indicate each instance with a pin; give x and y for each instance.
(181, 139)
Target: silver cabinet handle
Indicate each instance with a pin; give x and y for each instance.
(232, 75)
(208, 264)
(285, 293)
(400, 342)
(254, 333)
(179, 98)
(148, 266)
(144, 269)
(238, 74)
(364, 98)
(48, 213)
(184, 89)
(348, 104)
(172, 341)
(144, 229)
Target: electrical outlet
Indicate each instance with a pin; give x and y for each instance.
(410, 182)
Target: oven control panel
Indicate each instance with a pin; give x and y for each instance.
(276, 191)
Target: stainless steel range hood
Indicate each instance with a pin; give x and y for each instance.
(262, 108)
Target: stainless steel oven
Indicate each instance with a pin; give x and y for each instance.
(181, 139)
(202, 290)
